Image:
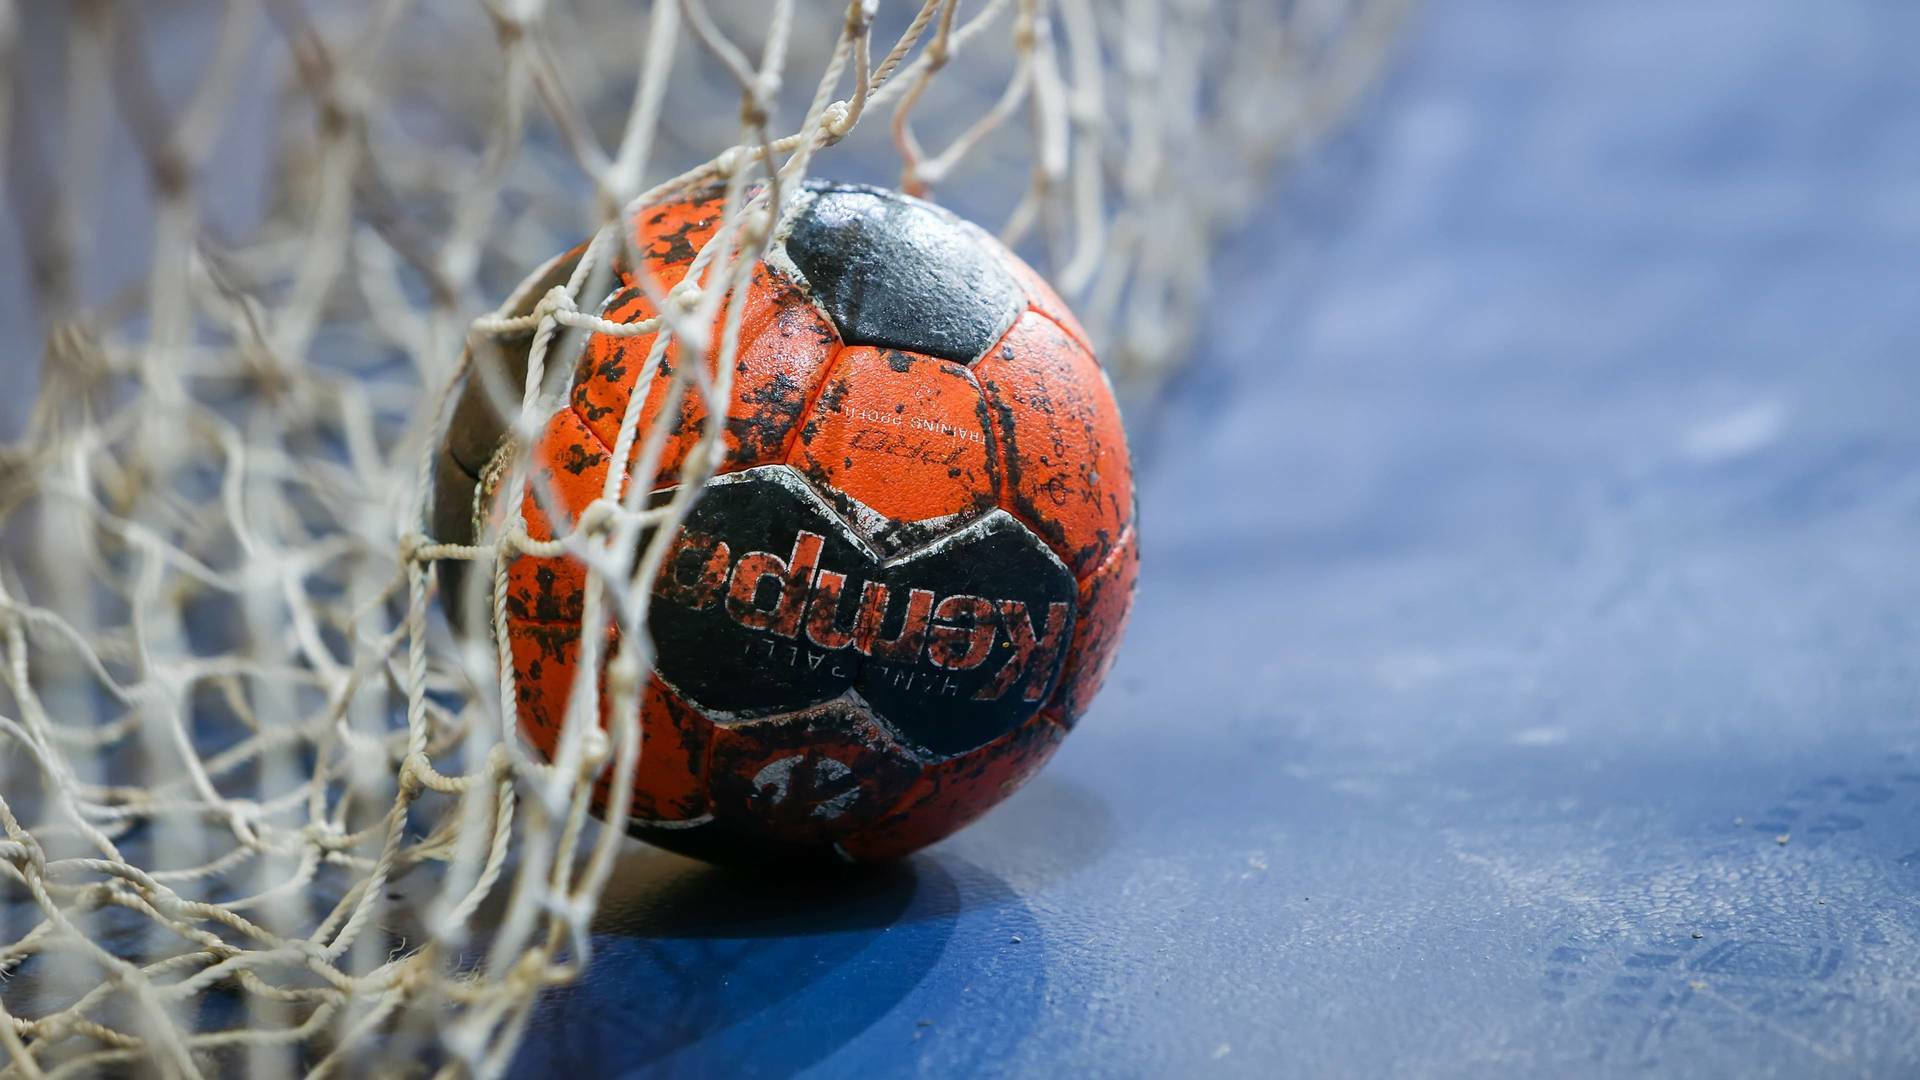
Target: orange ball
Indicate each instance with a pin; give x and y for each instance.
(908, 578)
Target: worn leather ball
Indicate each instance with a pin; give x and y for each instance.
(906, 581)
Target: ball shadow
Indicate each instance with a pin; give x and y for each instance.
(755, 966)
(702, 969)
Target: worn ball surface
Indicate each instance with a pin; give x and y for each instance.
(910, 574)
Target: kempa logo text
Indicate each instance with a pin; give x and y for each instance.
(954, 633)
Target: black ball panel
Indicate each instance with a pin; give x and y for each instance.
(771, 602)
(897, 273)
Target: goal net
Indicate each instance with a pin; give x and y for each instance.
(262, 802)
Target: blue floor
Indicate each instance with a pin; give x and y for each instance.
(1525, 669)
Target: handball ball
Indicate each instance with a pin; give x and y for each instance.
(909, 574)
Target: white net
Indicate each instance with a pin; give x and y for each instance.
(256, 237)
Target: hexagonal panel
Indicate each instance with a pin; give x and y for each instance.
(670, 780)
(1106, 599)
(669, 235)
(545, 657)
(906, 436)
(785, 347)
(1063, 451)
(569, 471)
(897, 273)
(1040, 295)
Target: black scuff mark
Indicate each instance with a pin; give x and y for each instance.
(577, 459)
(613, 369)
(589, 412)
(772, 409)
(674, 248)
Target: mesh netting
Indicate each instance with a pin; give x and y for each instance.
(237, 724)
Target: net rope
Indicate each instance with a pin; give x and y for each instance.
(262, 806)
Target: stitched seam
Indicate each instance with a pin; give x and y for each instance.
(813, 401)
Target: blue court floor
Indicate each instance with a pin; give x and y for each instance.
(1525, 671)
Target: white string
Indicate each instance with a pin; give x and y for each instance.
(233, 718)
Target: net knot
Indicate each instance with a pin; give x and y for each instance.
(623, 676)
(24, 853)
(555, 300)
(1026, 33)
(165, 902)
(596, 518)
(685, 296)
(860, 16)
(410, 545)
(414, 771)
(594, 751)
(837, 120)
(755, 225)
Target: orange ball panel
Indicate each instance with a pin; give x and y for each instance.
(668, 237)
(609, 366)
(669, 782)
(1042, 298)
(1106, 598)
(569, 471)
(545, 656)
(784, 345)
(904, 434)
(1065, 453)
